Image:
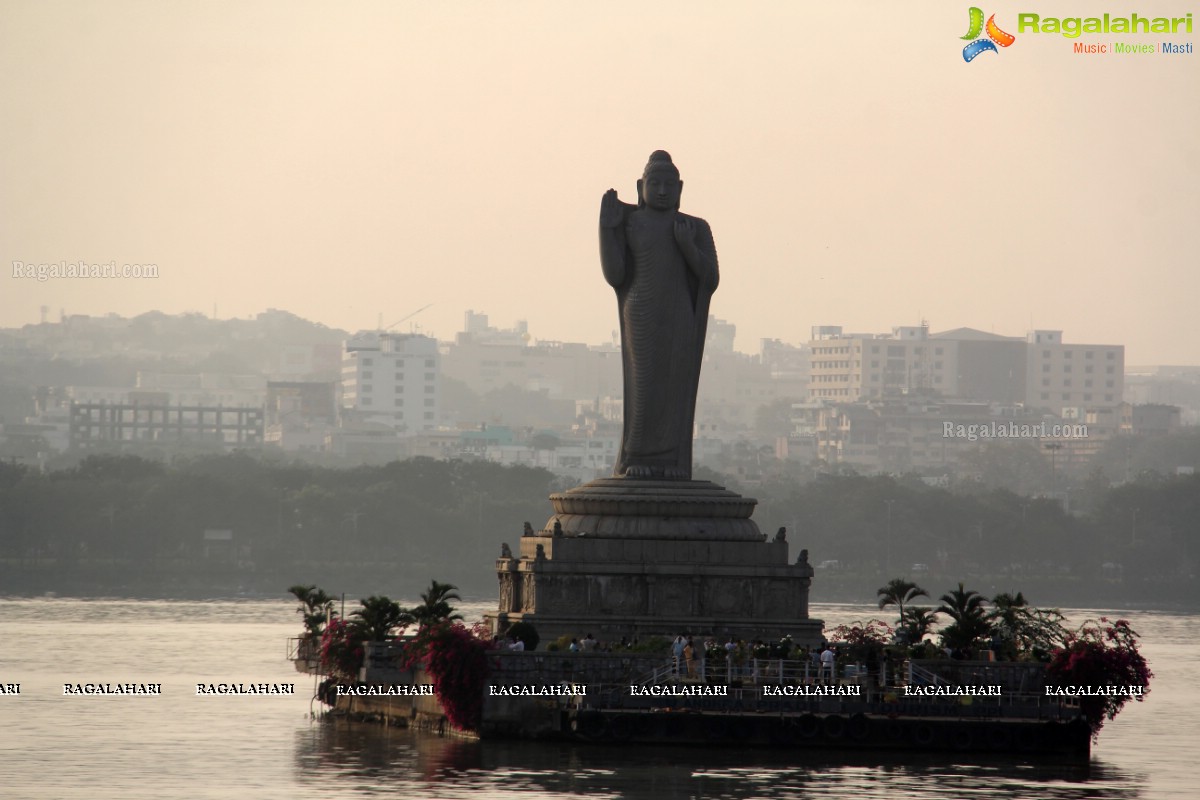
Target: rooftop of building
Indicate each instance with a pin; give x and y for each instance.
(974, 335)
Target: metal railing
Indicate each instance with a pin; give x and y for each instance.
(305, 653)
(301, 648)
(768, 670)
(919, 676)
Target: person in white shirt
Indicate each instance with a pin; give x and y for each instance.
(828, 657)
(677, 650)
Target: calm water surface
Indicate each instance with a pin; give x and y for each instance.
(179, 745)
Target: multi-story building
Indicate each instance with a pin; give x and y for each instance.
(1156, 419)
(392, 379)
(1166, 385)
(1040, 371)
(299, 415)
(888, 394)
(989, 368)
(140, 423)
(169, 408)
(1072, 376)
(486, 358)
(787, 363)
(719, 336)
(847, 367)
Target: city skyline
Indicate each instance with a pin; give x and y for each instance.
(349, 168)
(519, 329)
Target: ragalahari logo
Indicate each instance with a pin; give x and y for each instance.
(995, 36)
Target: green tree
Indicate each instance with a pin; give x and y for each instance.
(435, 604)
(316, 606)
(1024, 631)
(378, 617)
(916, 622)
(897, 593)
(124, 468)
(1019, 466)
(526, 633)
(966, 608)
(543, 440)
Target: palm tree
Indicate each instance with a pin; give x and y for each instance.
(301, 593)
(965, 607)
(435, 604)
(378, 616)
(898, 592)
(315, 606)
(917, 621)
(1007, 612)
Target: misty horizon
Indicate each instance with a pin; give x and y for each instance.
(882, 331)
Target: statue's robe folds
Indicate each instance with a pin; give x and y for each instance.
(663, 303)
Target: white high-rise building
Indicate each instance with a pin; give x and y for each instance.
(392, 378)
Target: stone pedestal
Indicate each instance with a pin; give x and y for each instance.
(626, 557)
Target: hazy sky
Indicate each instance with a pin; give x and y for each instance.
(346, 161)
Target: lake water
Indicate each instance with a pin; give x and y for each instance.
(179, 745)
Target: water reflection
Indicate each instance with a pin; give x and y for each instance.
(180, 745)
(343, 758)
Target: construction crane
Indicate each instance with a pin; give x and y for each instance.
(410, 316)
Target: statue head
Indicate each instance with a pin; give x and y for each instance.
(660, 187)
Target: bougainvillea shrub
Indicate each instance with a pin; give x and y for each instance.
(1101, 654)
(455, 658)
(341, 649)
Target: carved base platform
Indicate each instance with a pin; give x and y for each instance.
(641, 509)
(625, 558)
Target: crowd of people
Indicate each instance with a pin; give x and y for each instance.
(736, 658)
(692, 658)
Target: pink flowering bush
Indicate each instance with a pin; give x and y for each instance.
(863, 637)
(455, 657)
(1100, 654)
(341, 649)
(870, 632)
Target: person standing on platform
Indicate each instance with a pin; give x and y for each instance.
(828, 663)
(677, 651)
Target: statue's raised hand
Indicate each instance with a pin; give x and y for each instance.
(611, 213)
(685, 235)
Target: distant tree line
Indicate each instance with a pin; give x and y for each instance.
(1148, 528)
(422, 516)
